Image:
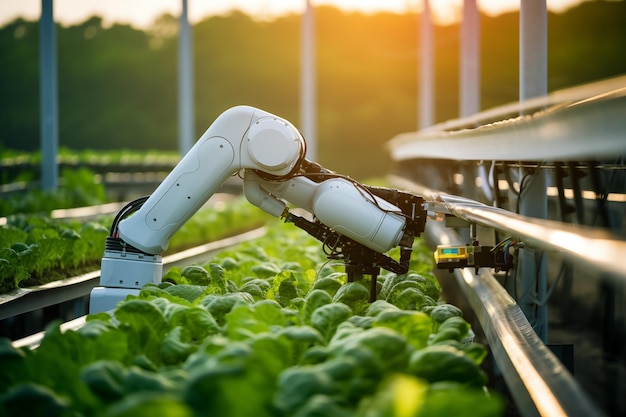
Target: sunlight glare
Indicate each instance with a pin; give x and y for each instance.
(142, 13)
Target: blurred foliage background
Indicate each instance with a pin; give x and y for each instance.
(117, 84)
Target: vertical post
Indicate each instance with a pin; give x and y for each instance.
(308, 99)
(470, 60)
(469, 83)
(533, 198)
(426, 73)
(533, 49)
(49, 114)
(185, 84)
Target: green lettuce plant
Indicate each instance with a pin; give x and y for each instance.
(222, 343)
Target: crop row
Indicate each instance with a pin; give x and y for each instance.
(24, 166)
(78, 188)
(36, 249)
(269, 328)
(80, 180)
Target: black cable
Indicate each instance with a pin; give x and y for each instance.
(507, 175)
(529, 176)
(125, 211)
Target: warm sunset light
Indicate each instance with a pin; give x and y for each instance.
(342, 208)
(142, 13)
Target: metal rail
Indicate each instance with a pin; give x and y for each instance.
(586, 246)
(585, 129)
(33, 341)
(538, 381)
(34, 298)
(529, 106)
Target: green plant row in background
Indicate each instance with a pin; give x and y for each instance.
(266, 329)
(35, 249)
(78, 188)
(79, 184)
(24, 166)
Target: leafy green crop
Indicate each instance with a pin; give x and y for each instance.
(78, 188)
(266, 329)
(39, 247)
(36, 249)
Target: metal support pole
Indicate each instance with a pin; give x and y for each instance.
(308, 98)
(185, 84)
(533, 198)
(49, 130)
(533, 49)
(532, 267)
(470, 60)
(426, 83)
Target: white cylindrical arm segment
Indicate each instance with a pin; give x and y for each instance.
(337, 203)
(180, 195)
(256, 194)
(298, 191)
(374, 223)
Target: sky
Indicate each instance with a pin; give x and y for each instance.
(141, 13)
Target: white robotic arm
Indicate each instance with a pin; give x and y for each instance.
(357, 222)
(241, 138)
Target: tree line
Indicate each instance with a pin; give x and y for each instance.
(117, 84)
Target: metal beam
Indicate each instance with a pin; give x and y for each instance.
(533, 201)
(49, 113)
(560, 133)
(185, 83)
(308, 97)
(533, 49)
(426, 81)
(469, 97)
